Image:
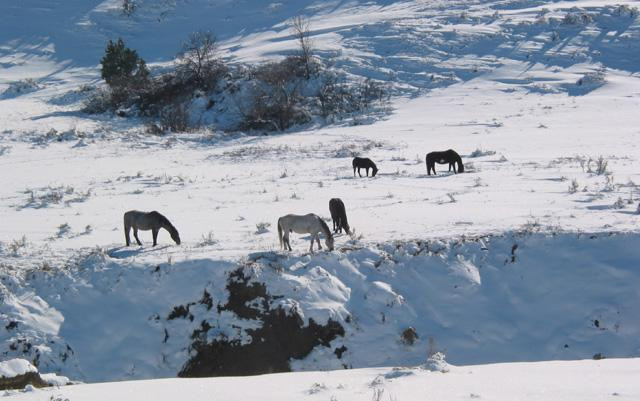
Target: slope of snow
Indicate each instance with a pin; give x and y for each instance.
(614, 379)
(518, 297)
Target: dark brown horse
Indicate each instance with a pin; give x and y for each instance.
(448, 156)
(338, 215)
(365, 163)
(153, 221)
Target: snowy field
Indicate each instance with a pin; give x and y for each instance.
(562, 381)
(529, 255)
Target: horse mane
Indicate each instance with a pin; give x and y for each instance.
(166, 224)
(325, 228)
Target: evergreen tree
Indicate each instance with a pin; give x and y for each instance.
(122, 67)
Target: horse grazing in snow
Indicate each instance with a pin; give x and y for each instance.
(338, 216)
(307, 224)
(448, 156)
(153, 221)
(365, 163)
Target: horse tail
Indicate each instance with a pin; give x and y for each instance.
(280, 233)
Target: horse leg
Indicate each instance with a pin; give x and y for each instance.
(311, 247)
(359, 172)
(339, 230)
(318, 240)
(354, 171)
(135, 235)
(287, 244)
(367, 170)
(154, 232)
(127, 228)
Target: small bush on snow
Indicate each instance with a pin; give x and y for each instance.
(573, 188)
(262, 227)
(577, 18)
(626, 10)
(20, 87)
(207, 240)
(480, 153)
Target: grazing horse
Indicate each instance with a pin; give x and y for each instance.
(307, 224)
(448, 156)
(339, 216)
(365, 163)
(153, 221)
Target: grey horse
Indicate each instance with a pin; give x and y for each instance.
(144, 221)
(307, 224)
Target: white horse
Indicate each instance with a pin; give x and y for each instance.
(307, 224)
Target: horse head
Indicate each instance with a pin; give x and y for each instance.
(329, 242)
(375, 171)
(175, 236)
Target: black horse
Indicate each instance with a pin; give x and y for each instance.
(448, 156)
(339, 216)
(365, 163)
(153, 221)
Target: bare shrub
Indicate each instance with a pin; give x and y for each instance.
(16, 245)
(577, 18)
(573, 188)
(626, 10)
(343, 98)
(276, 102)
(609, 185)
(480, 153)
(175, 118)
(99, 101)
(601, 165)
(207, 240)
(199, 59)
(618, 204)
(63, 229)
(262, 227)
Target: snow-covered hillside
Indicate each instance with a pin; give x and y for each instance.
(529, 255)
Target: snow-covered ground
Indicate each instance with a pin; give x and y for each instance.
(530, 93)
(563, 381)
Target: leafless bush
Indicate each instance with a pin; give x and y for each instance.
(573, 188)
(624, 9)
(577, 18)
(618, 204)
(343, 98)
(207, 240)
(276, 102)
(609, 185)
(262, 227)
(480, 153)
(99, 101)
(16, 245)
(175, 118)
(63, 229)
(601, 165)
(200, 61)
